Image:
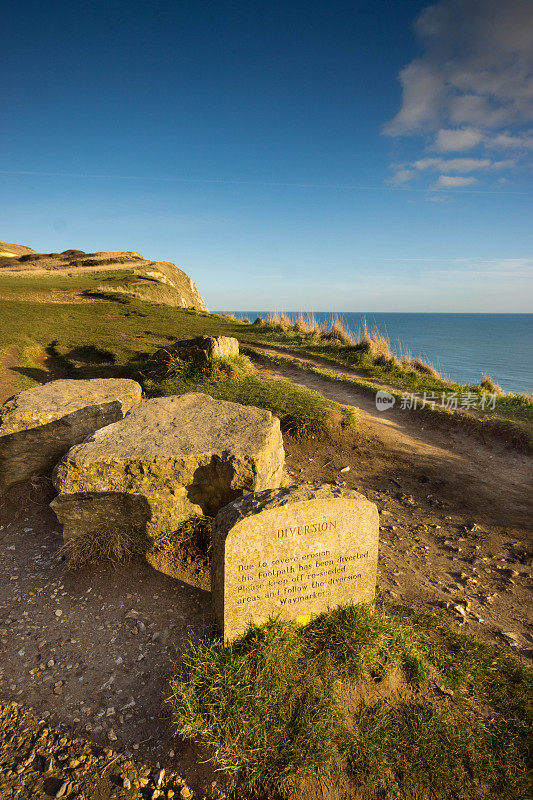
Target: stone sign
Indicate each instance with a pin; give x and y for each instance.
(292, 552)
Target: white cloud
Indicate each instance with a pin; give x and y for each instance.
(506, 140)
(453, 182)
(402, 176)
(453, 164)
(476, 69)
(459, 139)
(461, 164)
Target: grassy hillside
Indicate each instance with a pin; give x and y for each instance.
(85, 324)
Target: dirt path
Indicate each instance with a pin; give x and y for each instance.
(485, 479)
(93, 649)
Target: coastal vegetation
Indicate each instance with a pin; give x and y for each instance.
(380, 701)
(302, 412)
(51, 322)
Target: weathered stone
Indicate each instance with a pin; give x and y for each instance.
(169, 459)
(201, 349)
(38, 426)
(292, 552)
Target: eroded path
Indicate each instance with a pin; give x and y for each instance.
(456, 509)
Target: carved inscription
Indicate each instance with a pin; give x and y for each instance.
(297, 578)
(292, 553)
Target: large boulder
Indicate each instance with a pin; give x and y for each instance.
(201, 349)
(39, 425)
(169, 460)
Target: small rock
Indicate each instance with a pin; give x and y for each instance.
(158, 777)
(345, 469)
(62, 789)
(185, 793)
(58, 613)
(112, 736)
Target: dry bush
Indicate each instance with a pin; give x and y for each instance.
(280, 320)
(300, 324)
(103, 544)
(376, 345)
(488, 384)
(419, 365)
(313, 328)
(246, 320)
(259, 321)
(339, 332)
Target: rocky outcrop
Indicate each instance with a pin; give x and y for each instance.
(201, 349)
(170, 459)
(39, 425)
(155, 281)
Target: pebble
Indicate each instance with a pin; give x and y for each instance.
(58, 613)
(158, 777)
(62, 789)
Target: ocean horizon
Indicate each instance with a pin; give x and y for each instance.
(463, 347)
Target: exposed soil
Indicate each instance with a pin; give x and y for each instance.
(93, 649)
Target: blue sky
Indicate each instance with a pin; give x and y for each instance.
(348, 156)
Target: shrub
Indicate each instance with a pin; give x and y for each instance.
(490, 386)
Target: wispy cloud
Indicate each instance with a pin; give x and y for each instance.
(457, 140)
(453, 164)
(472, 87)
(523, 141)
(453, 181)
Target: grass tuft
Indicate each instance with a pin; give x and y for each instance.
(382, 700)
(97, 545)
(491, 386)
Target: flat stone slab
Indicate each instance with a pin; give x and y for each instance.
(294, 553)
(169, 459)
(39, 425)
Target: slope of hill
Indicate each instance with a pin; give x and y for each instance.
(13, 250)
(156, 281)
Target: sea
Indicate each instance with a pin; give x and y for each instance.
(463, 347)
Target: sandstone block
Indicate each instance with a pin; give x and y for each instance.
(202, 349)
(293, 552)
(39, 425)
(169, 459)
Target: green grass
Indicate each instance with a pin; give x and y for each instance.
(129, 329)
(302, 412)
(386, 700)
(65, 334)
